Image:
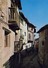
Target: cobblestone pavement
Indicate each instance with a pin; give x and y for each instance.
(28, 59)
(31, 61)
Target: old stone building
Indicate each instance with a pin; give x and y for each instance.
(15, 30)
(9, 25)
(14, 22)
(23, 26)
(29, 30)
(7, 36)
(14, 25)
(43, 45)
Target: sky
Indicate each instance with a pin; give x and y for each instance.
(36, 11)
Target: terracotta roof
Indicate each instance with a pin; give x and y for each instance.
(29, 24)
(18, 3)
(43, 28)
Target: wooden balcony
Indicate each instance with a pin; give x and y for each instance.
(13, 19)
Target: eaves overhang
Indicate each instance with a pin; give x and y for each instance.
(43, 28)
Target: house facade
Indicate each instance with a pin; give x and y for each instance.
(14, 22)
(28, 29)
(31, 30)
(23, 27)
(14, 25)
(7, 36)
(43, 45)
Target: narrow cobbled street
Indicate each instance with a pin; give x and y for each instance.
(30, 61)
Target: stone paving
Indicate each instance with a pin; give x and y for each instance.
(31, 61)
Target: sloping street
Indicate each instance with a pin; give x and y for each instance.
(23, 33)
(31, 61)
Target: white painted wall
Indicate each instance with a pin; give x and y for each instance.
(31, 32)
(24, 29)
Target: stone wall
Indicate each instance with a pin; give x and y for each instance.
(43, 47)
(5, 52)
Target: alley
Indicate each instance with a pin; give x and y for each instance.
(30, 61)
(23, 34)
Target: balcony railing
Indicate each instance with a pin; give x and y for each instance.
(13, 16)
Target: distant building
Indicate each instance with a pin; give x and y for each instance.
(28, 29)
(31, 29)
(43, 44)
(23, 27)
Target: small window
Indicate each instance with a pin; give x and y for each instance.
(21, 31)
(25, 33)
(42, 42)
(6, 41)
(6, 37)
(29, 36)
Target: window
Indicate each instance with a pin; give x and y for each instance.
(42, 42)
(7, 40)
(21, 31)
(25, 33)
(29, 36)
(6, 37)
